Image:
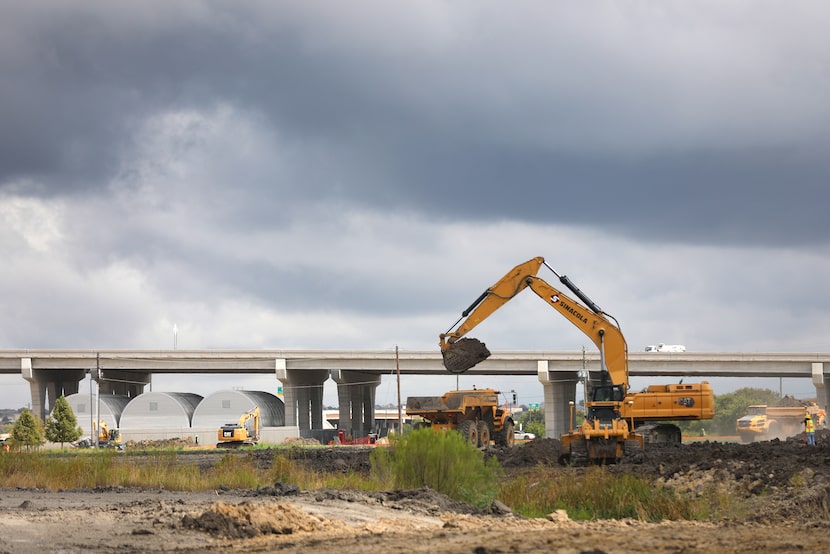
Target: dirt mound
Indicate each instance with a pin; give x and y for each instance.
(536, 452)
(246, 520)
(162, 443)
(301, 441)
(464, 354)
(810, 505)
(792, 402)
(421, 501)
(337, 459)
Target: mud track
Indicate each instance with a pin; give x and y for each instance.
(786, 482)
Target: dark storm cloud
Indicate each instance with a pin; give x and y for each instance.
(568, 129)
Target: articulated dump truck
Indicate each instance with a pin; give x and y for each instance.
(763, 422)
(476, 414)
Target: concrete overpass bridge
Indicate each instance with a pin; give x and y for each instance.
(357, 373)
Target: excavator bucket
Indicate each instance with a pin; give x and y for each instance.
(464, 354)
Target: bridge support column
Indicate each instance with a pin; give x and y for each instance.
(48, 386)
(303, 394)
(559, 389)
(819, 382)
(356, 395)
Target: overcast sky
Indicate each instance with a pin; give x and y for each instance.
(305, 176)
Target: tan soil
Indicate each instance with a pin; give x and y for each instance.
(788, 483)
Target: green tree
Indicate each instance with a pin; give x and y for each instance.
(27, 431)
(62, 425)
(532, 421)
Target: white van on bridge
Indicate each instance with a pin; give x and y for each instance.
(666, 348)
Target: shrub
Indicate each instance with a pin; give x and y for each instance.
(27, 431)
(442, 461)
(62, 425)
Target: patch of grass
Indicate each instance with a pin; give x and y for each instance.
(715, 502)
(235, 472)
(286, 468)
(41, 470)
(593, 494)
(799, 479)
(442, 461)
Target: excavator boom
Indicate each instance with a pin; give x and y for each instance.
(612, 413)
(460, 354)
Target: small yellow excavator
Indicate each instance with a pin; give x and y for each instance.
(245, 432)
(612, 412)
(108, 438)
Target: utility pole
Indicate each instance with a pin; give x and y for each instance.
(398, 370)
(97, 440)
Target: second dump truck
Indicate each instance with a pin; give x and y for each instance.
(476, 414)
(763, 422)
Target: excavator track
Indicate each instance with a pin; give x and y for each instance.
(579, 454)
(660, 433)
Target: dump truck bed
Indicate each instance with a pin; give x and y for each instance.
(419, 404)
(453, 401)
(786, 411)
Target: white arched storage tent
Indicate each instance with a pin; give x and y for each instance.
(159, 415)
(228, 406)
(109, 408)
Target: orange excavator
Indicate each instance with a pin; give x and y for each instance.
(612, 413)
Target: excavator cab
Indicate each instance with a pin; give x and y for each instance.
(607, 393)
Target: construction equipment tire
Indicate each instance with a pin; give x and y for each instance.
(483, 434)
(469, 430)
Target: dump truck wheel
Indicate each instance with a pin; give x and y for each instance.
(483, 434)
(469, 430)
(505, 437)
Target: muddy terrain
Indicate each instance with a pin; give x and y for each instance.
(787, 483)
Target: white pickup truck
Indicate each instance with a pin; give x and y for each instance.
(522, 436)
(666, 348)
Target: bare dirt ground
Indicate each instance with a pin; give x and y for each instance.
(787, 483)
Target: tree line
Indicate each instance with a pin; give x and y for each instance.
(30, 432)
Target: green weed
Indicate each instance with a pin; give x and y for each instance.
(442, 461)
(592, 494)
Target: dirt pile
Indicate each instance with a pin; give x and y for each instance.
(792, 402)
(246, 520)
(536, 452)
(177, 442)
(464, 354)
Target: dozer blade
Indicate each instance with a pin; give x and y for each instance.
(464, 354)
